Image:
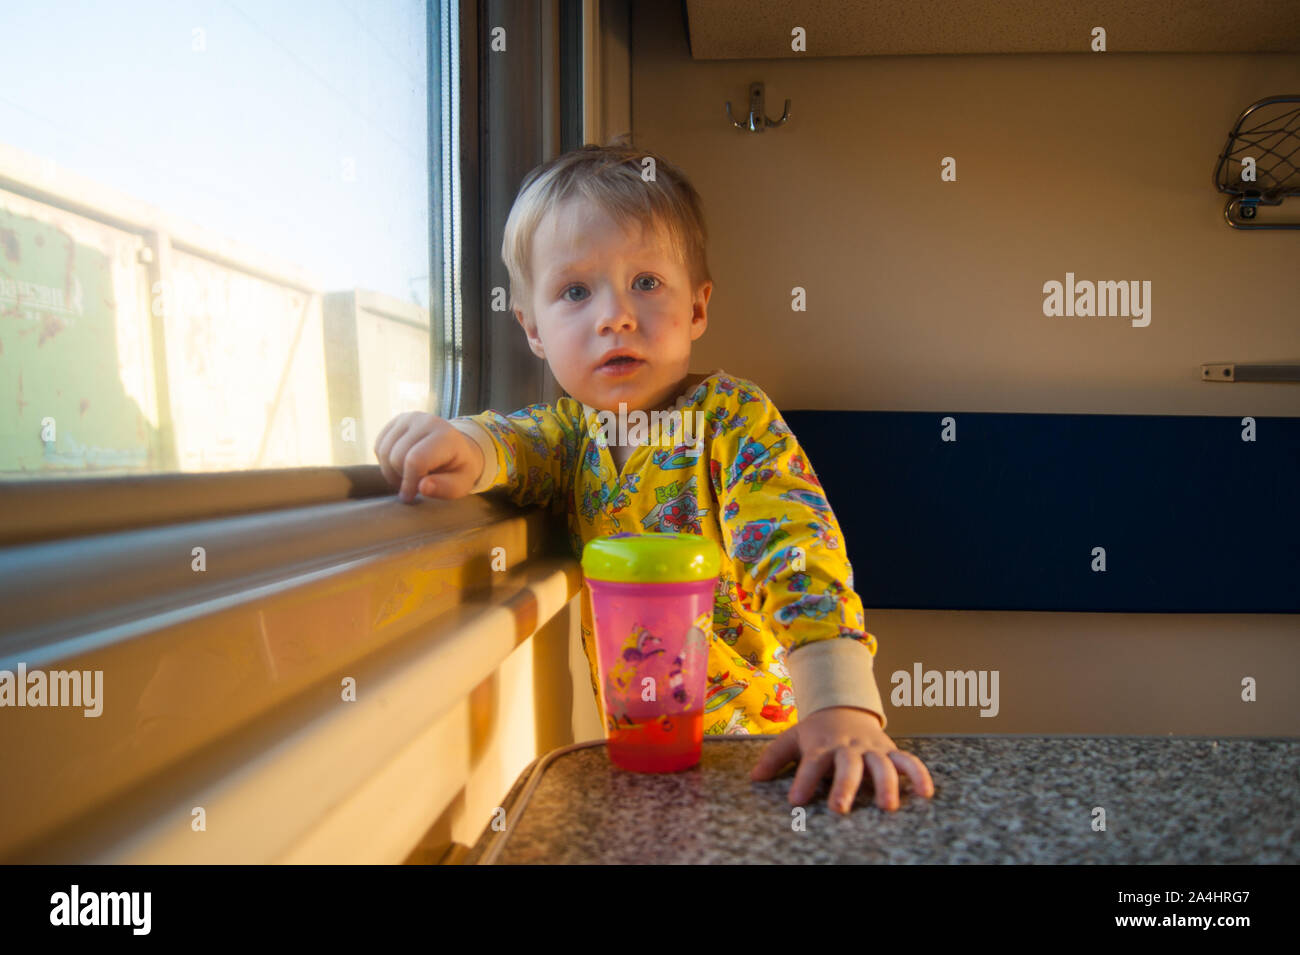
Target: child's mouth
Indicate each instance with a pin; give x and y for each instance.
(620, 366)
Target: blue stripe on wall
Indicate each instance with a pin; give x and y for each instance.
(1192, 518)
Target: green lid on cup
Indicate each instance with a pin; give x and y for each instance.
(651, 558)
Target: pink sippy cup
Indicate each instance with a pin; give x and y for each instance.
(652, 609)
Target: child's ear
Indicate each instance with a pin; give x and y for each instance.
(700, 310)
(534, 341)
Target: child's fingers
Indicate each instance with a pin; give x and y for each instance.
(417, 460)
(848, 777)
(444, 484)
(423, 459)
(384, 444)
(812, 768)
(775, 756)
(885, 778)
(922, 784)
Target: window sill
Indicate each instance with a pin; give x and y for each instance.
(53, 507)
(226, 684)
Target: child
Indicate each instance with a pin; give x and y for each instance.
(605, 247)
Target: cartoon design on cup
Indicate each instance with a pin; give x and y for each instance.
(637, 647)
(653, 605)
(697, 641)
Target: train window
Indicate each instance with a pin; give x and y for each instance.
(215, 234)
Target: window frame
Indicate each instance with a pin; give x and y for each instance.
(101, 566)
(549, 36)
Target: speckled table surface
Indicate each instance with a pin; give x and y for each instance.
(998, 799)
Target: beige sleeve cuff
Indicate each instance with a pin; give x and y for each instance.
(479, 433)
(834, 672)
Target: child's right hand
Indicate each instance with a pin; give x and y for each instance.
(422, 452)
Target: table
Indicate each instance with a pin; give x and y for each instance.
(998, 799)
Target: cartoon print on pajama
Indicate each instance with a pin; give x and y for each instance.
(746, 484)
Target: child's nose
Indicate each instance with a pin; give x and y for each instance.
(618, 316)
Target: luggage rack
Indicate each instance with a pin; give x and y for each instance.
(1273, 140)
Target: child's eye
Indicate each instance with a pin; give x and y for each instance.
(565, 294)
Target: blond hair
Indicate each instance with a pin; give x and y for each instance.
(609, 176)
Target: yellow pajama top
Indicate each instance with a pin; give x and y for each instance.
(786, 619)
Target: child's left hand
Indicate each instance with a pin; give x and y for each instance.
(842, 736)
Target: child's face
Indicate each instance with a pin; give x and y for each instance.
(596, 288)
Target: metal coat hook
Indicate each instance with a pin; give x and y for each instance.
(758, 120)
